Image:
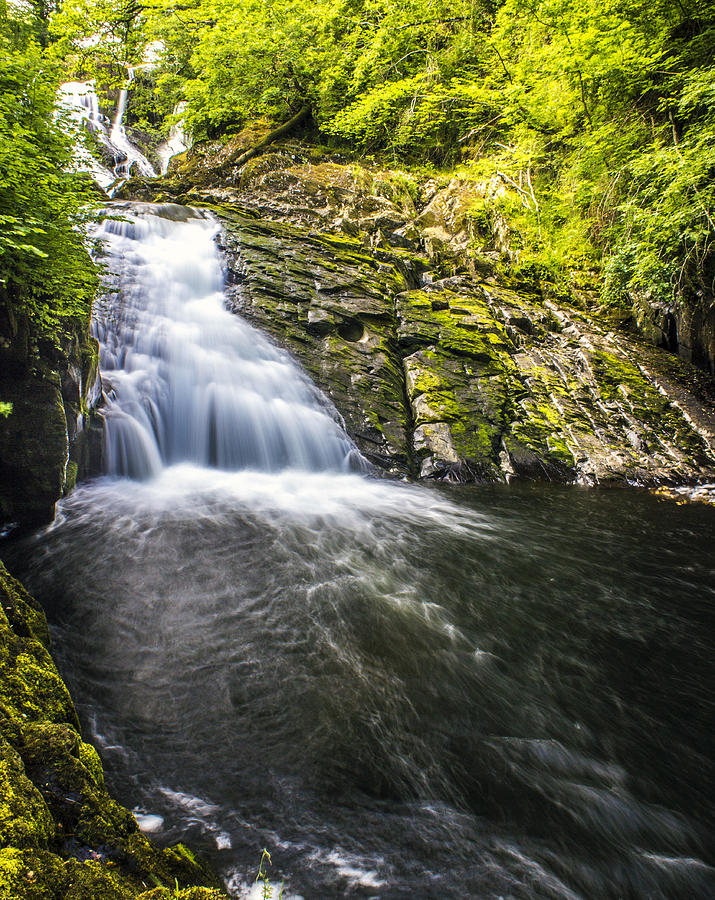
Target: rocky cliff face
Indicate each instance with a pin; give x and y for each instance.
(48, 438)
(388, 292)
(62, 836)
(686, 326)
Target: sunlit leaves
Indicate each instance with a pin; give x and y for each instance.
(44, 266)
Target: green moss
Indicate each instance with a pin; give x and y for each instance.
(32, 687)
(32, 875)
(190, 893)
(53, 801)
(461, 324)
(477, 442)
(623, 384)
(92, 879)
(20, 611)
(425, 381)
(541, 427)
(70, 477)
(92, 763)
(25, 821)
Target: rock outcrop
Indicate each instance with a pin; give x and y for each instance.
(47, 439)
(388, 292)
(62, 836)
(685, 326)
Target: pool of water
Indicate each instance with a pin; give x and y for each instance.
(400, 691)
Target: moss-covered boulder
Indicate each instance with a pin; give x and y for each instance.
(61, 834)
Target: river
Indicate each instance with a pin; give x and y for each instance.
(399, 690)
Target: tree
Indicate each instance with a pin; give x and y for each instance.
(46, 274)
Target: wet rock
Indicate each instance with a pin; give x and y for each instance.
(34, 448)
(51, 434)
(61, 834)
(560, 402)
(686, 326)
(388, 292)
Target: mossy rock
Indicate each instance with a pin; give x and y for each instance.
(25, 820)
(30, 686)
(62, 834)
(32, 875)
(190, 893)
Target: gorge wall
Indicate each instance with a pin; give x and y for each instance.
(392, 294)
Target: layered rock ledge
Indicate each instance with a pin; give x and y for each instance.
(390, 292)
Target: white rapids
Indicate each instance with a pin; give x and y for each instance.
(185, 380)
(79, 101)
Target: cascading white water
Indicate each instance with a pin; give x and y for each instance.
(187, 381)
(128, 156)
(79, 100)
(178, 139)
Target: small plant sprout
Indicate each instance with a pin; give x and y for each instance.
(264, 880)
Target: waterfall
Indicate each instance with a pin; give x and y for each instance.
(178, 139)
(128, 156)
(187, 381)
(79, 101)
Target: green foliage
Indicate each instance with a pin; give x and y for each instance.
(237, 61)
(596, 117)
(617, 99)
(99, 38)
(416, 117)
(5, 409)
(45, 271)
(382, 44)
(149, 108)
(263, 879)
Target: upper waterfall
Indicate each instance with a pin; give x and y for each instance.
(127, 155)
(187, 381)
(80, 102)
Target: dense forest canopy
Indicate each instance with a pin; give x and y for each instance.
(599, 115)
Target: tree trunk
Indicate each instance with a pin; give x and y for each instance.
(285, 128)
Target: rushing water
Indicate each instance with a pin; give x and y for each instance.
(78, 99)
(178, 140)
(400, 691)
(185, 380)
(128, 157)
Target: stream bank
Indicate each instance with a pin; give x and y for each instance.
(62, 835)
